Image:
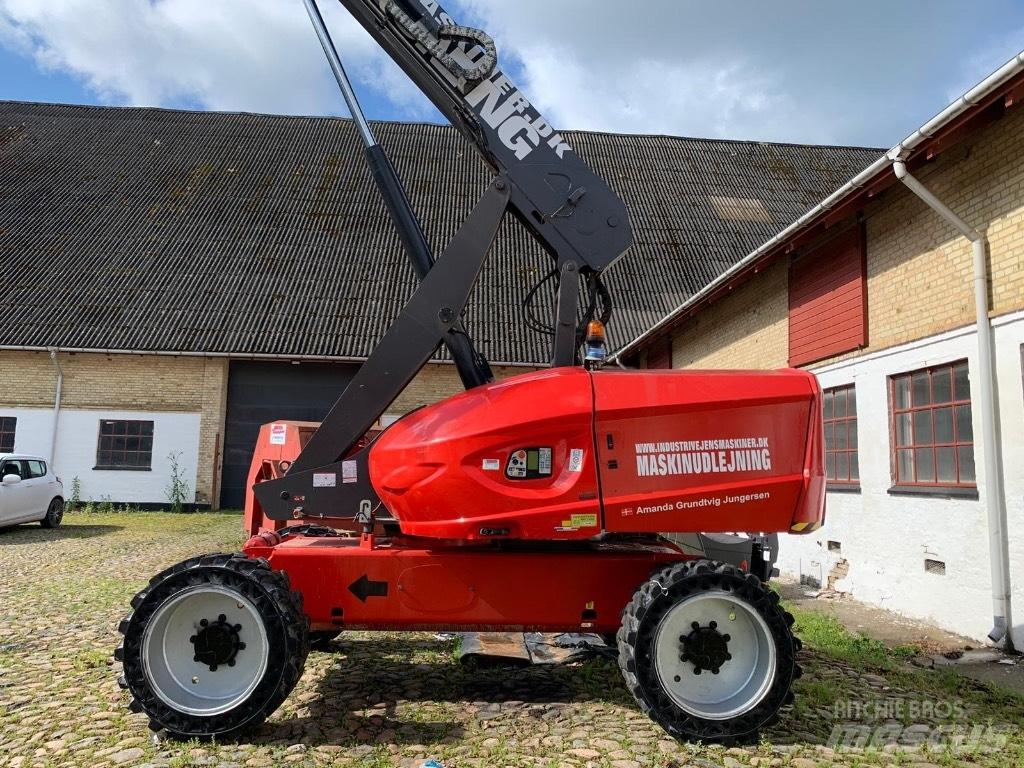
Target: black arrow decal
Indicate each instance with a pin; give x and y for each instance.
(364, 588)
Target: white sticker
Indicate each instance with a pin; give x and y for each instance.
(544, 461)
(277, 434)
(349, 472)
(576, 460)
(491, 465)
(324, 479)
(516, 464)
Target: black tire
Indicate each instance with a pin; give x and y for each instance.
(673, 586)
(54, 513)
(286, 636)
(321, 640)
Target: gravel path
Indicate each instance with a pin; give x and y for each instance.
(381, 700)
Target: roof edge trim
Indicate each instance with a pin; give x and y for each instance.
(971, 98)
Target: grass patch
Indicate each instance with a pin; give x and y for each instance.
(824, 633)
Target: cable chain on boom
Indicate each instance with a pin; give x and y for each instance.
(438, 46)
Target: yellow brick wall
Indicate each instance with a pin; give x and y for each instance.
(748, 329)
(127, 382)
(919, 270)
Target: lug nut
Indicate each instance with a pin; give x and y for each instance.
(695, 625)
(696, 670)
(726, 638)
(713, 624)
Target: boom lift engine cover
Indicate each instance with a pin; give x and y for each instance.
(589, 486)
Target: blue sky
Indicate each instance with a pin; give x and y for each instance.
(815, 71)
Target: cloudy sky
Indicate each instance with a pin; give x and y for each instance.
(864, 72)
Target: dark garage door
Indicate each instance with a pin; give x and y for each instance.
(261, 392)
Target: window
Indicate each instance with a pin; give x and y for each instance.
(125, 445)
(12, 467)
(842, 467)
(7, 427)
(932, 434)
(35, 468)
(828, 299)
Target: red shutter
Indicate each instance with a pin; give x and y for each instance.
(828, 300)
(660, 354)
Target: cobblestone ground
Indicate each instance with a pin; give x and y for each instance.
(394, 700)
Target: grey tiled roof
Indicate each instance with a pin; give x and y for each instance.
(148, 229)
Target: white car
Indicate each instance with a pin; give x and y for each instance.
(29, 491)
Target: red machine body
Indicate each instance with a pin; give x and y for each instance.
(537, 481)
(416, 584)
(278, 445)
(568, 453)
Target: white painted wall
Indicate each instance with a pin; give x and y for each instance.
(77, 434)
(886, 538)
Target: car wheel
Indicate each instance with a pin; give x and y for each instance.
(54, 513)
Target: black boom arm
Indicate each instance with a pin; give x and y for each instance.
(578, 220)
(564, 204)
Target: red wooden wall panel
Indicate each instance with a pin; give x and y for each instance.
(828, 299)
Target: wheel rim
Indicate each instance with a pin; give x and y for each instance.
(205, 650)
(715, 629)
(56, 511)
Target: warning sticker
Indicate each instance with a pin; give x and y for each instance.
(577, 521)
(544, 461)
(576, 460)
(277, 434)
(349, 471)
(491, 465)
(324, 480)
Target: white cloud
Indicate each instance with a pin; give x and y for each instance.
(250, 55)
(790, 70)
(590, 65)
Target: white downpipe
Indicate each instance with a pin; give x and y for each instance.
(995, 501)
(56, 402)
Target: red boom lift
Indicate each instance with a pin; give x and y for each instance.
(535, 503)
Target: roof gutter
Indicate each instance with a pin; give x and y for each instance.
(882, 164)
(58, 390)
(995, 499)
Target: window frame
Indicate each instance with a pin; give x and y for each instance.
(23, 470)
(109, 450)
(850, 391)
(917, 486)
(13, 432)
(31, 472)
